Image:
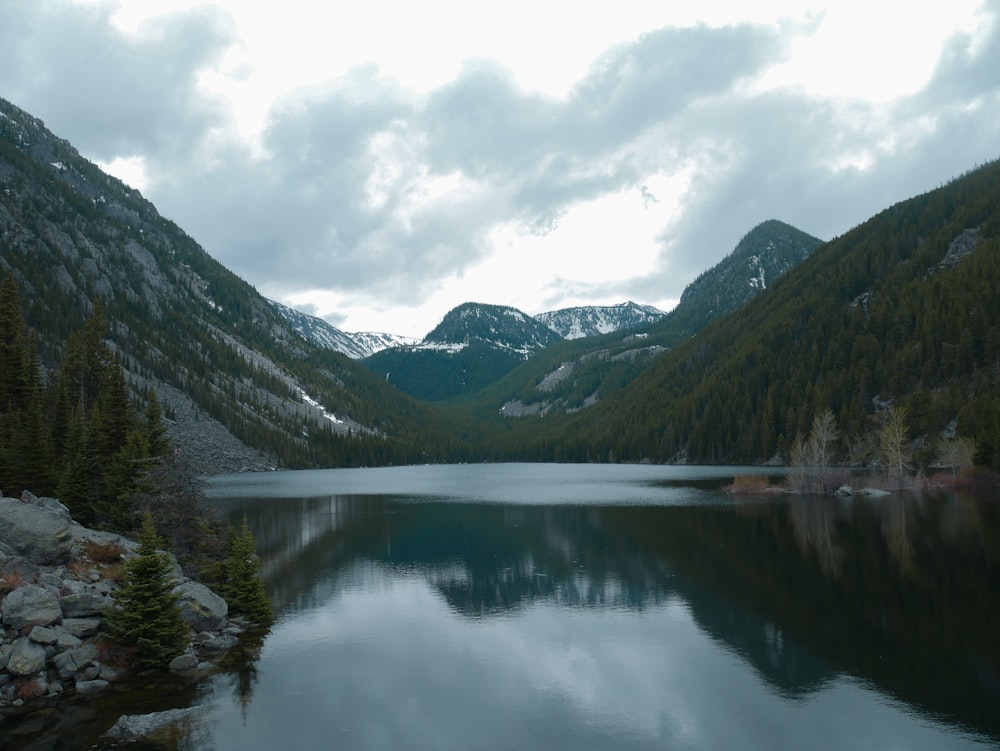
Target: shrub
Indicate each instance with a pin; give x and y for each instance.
(103, 552)
(10, 582)
(748, 484)
(30, 688)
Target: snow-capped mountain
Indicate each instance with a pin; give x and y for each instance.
(326, 335)
(499, 326)
(590, 320)
(472, 346)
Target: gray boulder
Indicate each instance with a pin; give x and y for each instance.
(26, 657)
(36, 530)
(30, 605)
(43, 635)
(201, 608)
(86, 688)
(66, 640)
(221, 643)
(183, 663)
(131, 727)
(72, 661)
(82, 627)
(85, 604)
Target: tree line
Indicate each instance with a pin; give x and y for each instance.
(78, 435)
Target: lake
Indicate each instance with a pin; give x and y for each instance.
(602, 607)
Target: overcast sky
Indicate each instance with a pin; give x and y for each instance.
(377, 163)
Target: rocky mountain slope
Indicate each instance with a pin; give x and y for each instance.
(592, 320)
(573, 375)
(241, 387)
(766, 252)
(357, 345)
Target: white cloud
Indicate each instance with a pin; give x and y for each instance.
(383, 172)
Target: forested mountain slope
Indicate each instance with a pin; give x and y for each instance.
(473, 345)
(901, 310)
(572, 375)
(243, 390)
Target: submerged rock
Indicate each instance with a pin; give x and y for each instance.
(85, 688)
(131, 727)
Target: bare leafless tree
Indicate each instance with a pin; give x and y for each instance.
(893, 445)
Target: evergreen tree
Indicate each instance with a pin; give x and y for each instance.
(146, 615)
(157, 441)
(79, 480)
(244, 589)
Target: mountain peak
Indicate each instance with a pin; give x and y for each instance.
(761, 256)
(591, 320)
(500, 326)
(324, 334)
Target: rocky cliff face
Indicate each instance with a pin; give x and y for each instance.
(234, 376)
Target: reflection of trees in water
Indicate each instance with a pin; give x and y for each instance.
(910, 604)
(897, 536)
(76, 722)
(813, 521)
(241, 667)
(897, 592)
(824, 527)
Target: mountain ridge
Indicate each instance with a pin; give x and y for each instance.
(356, 345)
(570, 377)
(592, 320)
(900, 311)
(241, 388)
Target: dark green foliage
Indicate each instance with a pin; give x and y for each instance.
(154, 432)
(77, 240)
(473, 346)
(146, 615)
(874, 313)
(244, 590)
(25, 449)
(601, 365)
(170, 492)
(436, 375)
(101, 450)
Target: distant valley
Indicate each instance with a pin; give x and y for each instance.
(902, 310)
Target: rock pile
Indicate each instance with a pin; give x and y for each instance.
(57, 580)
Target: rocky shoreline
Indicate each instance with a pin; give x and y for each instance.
(57, 581)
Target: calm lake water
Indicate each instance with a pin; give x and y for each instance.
(602, 607)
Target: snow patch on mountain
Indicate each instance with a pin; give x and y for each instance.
(324, 334)
(591, 320)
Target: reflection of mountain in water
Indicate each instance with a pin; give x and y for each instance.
(898, 593)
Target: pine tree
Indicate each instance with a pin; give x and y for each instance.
(157, 441)
(244, 589)
(146, 615)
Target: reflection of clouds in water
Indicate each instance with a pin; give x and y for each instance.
(387, 664)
